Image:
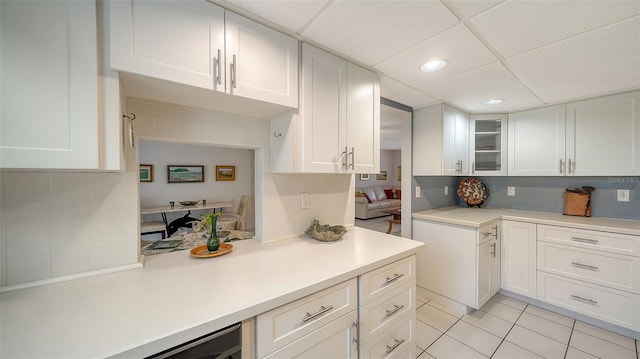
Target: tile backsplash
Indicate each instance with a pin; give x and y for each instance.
(55, 224)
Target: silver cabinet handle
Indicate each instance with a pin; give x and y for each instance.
(355, 336)
(493, 249)
(320, 312)
(218, 68)
(569, 166)
(561, 166)
(353, 157)
(585, 240)
(584, 300)
(473, 167)
(395, 345)
(395, 309)
(233, 69)
(395, 277)
(584, 266)
(345, 163)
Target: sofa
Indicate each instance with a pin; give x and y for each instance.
(372, 201)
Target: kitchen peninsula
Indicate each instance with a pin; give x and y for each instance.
(175, 298)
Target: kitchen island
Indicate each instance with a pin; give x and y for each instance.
(175, 298)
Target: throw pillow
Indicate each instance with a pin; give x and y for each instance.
(367, 197)
(398, 194)
(389, 193)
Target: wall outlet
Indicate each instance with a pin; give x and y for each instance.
(417, 192)
(304, 200)
(446, 190)
(623, 195)
(511, 191)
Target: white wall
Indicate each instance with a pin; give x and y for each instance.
(160, 192)
(389, 161)
(57, 224)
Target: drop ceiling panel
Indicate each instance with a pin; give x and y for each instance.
(390, 87)
(515, 27)
(414, 99)
(371, 31)
(290, 14)
(471, 89)
(457, 45)
(469, 8)
(606, 79)
(607, 44)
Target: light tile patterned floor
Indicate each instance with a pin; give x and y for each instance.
(506, 328)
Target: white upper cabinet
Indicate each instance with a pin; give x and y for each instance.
(603, 136)
(51, 118)
(488, 145)
(596, 137)
(179, 41)
(200, 44)
(338, 128)
(537, 142)
(455, 144)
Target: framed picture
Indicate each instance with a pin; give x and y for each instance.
(364, 177)
(399, 173)
(225, 173)
(146, 173)
(382, 176)
(185, 174)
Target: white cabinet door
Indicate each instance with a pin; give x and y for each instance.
(339, 339)
(262, 63)
(179, 41)
(455, 142)
(484, 271)
(537, 142)
(488, 145)
(603, 136)
(518, 263)
(363, 120)
(496, 264)
(488, 261)
(324, 111)
(49, 102)
(427, 141)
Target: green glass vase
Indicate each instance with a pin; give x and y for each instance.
(213, 243)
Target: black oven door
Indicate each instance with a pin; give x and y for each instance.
(225, 343)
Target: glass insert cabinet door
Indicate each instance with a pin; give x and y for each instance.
(488, 144)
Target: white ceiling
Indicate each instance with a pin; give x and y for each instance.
(527, 52)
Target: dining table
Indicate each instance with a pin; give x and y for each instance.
(163, 210)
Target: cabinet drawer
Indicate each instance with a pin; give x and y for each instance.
(380, 314)
(383, 280)
(610, 305)
(488, 232)
(604, 241)
(281, 326)
(608, 269)
(394, 341)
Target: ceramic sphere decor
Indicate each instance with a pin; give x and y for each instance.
(472, 192)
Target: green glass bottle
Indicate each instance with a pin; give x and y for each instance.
(213, 243)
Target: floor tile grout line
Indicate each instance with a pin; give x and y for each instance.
(566, 351)
(604, 340)
(459, 319)
(553, 321)
(509, 331)
(443, 333)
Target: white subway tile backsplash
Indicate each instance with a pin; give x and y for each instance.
(68, 263)
(145, 113)
(28, 242)
(105, 209)
(26, 185)
(107, 257)
(70, 238)
(105, 234)
(28, 269)
(20, 214)
(105, 184)
(70, 212)
(66, 185)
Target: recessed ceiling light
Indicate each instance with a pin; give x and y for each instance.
(494, 101)
(433, 65)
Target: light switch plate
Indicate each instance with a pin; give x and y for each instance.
(446, 190)
(417, 192)
(304, 200)
(623, 195)
(511, 191)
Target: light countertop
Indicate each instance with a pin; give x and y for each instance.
(477, 217)
(175, 298)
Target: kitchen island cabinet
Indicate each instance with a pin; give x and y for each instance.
(175, 298)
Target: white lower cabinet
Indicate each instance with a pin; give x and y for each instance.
(470, 255)
(590, 272)
(338, 323)
(518, 270)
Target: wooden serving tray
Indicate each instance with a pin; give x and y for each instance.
(203, 252)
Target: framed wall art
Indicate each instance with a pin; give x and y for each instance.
(225, 173)
(382, 176)
(185, 173)
(364, 177)
(146, 173)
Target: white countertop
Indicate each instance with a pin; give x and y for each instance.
(477, 217)
(175, 298)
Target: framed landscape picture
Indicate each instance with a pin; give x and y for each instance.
(382, 176)
(146, 173)
(185, 174)
(225, 173)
